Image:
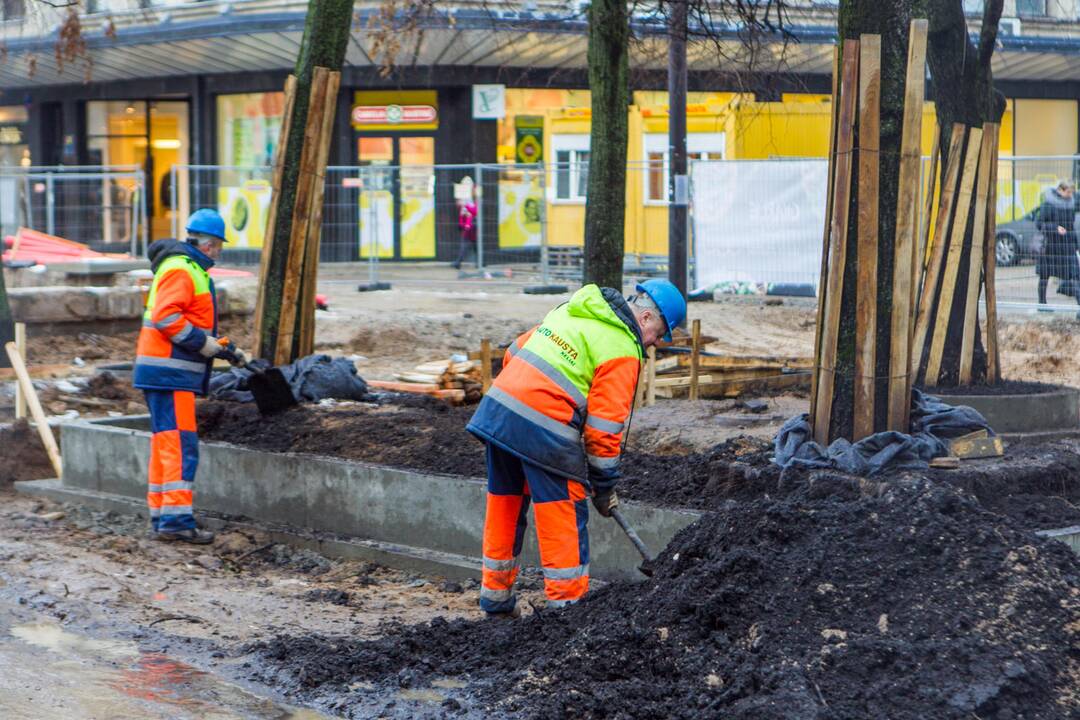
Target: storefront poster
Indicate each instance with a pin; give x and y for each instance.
(520, 208)
(248, 128)
(245, 210)
(529, 138)
(376, 223)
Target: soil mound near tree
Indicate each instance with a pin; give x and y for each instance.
(22, 456)
(845, 599)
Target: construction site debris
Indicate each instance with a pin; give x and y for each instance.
(844, 599)
(312, 378)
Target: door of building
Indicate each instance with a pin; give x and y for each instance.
(397, 197)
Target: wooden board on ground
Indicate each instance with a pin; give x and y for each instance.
(938, 244)
(682, 381)
(945, 463)
(418, 389)
(866, 258)
(747, 386)
(841, 190)
(907, 208)
(974, 448)
(952, 260)
(975, 262)
(41, 372)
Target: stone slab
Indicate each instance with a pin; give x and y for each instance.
(1070, 536)
(66, 304)
(1059, 410)
(440, 513)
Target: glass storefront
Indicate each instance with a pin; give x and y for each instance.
(248, 127)
(14, 150)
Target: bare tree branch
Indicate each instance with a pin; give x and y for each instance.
(988, 33)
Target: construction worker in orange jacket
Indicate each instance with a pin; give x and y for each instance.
(553, 422)
(177, 345)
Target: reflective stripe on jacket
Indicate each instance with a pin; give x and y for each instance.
(570, 378)
(180, 312)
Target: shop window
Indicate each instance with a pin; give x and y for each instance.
(248, 126)
(571, 154)
(699, 146)
(14, 9)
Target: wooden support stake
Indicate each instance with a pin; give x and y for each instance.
(44, 431)
(823, 277)
(841, 191)
(305, 186)
(918, 260)
(695, 357)
(271, 219)
(907, 208)
(938, 244)
(993, 359)
(650, 378)
(306, 339)
(952, 262)
(866, 259)
(975, 264)
(485, 364)
(20, 345)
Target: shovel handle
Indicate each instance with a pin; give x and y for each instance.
(632, 534)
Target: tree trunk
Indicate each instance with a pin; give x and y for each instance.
(326, 36)
(7, 323)
(890, 20)
(963, 92)
(605, 209)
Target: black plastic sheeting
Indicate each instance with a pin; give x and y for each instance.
(933, 424)
(312, 378)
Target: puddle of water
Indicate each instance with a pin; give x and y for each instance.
(107, 678)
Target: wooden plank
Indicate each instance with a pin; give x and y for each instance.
(993, 358)
(975, 261)
(44, 431)
(977, 448)
(650, 377)
(418, 389)
(823, 277)
(271, 219)
(40, 372)
(907, 207)
(866, 256)
(918, 261)
(738, 362)
(841, 190)
(305, 186)
(485, 364)
(695, 357)
(734, 388)
(937, 245)
(948, 462)
(306, 340)
(687, 381)
(977, 434)
(20, 345)
(952, 262)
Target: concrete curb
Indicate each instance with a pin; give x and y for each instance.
(1053, 411)
(379, 507)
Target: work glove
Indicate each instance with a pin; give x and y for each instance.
(227, 350)
(605, 501)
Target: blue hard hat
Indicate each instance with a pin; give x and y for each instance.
(669, 301)
(208, 222)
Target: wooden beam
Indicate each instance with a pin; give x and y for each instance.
(867, 247)
(938, 244)
(688, 381)
(975, 260)
(695, 357)
(306, 336)
(737, 362)
(993, 359)
(271, 218)
(305, 186)
(485, 364)
(907, 207)
(918, 261)
(20, 345)
(650, 377)
(823, 277)
(841, 191)
(44, 431)
(952, 262)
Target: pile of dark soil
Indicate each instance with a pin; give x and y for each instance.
(22, 456)
(106, 386)
(845, 599)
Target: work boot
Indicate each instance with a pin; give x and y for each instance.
(511, 615)
(194, 536)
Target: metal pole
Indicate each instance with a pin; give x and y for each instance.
(678, 186)
(50, 205)
(174, 195)
(479, 217)
(142, 211)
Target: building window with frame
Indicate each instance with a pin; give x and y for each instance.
(699, 146)
(571, 154)
(1031, 8)
(14, 9)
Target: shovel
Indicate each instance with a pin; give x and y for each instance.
(269, 386)
(646, 567)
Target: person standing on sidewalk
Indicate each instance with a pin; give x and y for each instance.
(554, 422)
(177, 345)
(467, 212)
(1057, 219)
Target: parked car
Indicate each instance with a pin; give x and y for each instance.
(1020, 239)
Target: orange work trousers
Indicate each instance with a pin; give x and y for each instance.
(174, 457)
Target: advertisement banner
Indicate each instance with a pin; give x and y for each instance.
(529, 138)
(376, 221)
(245, 210)
(758, 222)
(520, 207)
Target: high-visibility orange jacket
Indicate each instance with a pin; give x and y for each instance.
(567, 388)
(181, 311)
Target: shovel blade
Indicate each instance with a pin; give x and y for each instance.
(271, 390)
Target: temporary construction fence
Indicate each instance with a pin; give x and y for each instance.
(103, 207)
